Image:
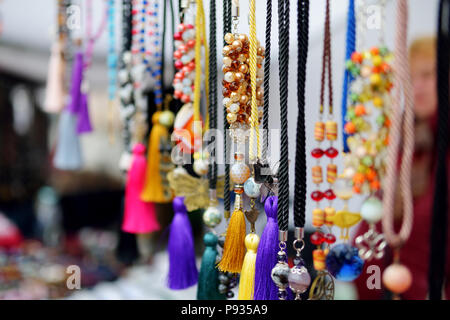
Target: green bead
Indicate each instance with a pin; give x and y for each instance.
(383, 50)
(380, 120)
(349, 64)
(351, 114)
(367, 161)
(354, 97)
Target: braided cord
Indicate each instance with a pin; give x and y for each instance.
(212, 172)
(227, 193)
(326, 64)
(438, 241)
(283, 59)
(348, 77)
(300, 151)
(254, 122)
(406, 118)
(265, 120)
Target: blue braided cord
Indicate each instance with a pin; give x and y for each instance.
(348, 78)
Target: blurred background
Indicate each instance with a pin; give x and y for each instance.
(50, 219)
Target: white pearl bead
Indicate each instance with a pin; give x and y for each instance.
(372, 210)
(361, 151)
(349, 172)
(185, 59)
(229, 77)
(226, 101)
(201, 167)
(234, 108)
(187, 82)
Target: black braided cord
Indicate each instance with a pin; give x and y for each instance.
(226, 191)
(212, 172)
(283, 59)
(300, 150)
(438, 234)
(265, 120)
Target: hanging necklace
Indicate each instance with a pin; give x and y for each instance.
(112, 66)
(281, 271)
(371, 77)
(323, 285)
(397, 277)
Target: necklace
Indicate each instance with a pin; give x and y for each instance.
(397, 277)
(112, 66)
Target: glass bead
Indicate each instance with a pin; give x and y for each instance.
(397, 278)
(344, 263)
(298, 261)
(317, 153)
(343, 188)
(239, 172)
(299, 279)
(329, 194)
(317, 195)
(222, 288)
(251, 188)
(280, 275)
(372, 210)
(330, 238)
(223, 279)
(230, 294)
(317, 238)
(212, 217)
(282, 295)
(331, 152)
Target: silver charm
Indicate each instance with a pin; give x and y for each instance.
(371, 244)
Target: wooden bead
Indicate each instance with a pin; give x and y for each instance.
(331, 129)
(319, 259)
(329, 214)
(318, 217)
(319, 131)
(331, 173)
(317, 174)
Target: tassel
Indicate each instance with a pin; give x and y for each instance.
(139, 216)
(84, 122)
(266, 259)
(182, 269)
(247, 280)
(208, 278)
(54, 91)
(75, 89)
(153, 190)
(234, 247)
(68, 152)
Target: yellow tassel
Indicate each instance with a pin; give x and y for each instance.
(247, 281)
(153, 190)
(234, 247)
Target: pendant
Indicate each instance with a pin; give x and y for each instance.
(322, 287)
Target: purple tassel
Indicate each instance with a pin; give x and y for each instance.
(75, 89)
(266, 257)
(84, 122)
(182, 268)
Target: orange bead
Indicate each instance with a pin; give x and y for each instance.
(375, 185)
(374, 51)
(385, 68)
(319, 259)
(371, 175)
(360, 110)
(350, 128)
(387, 122)
(358, 178)
(356, 189)
(376, 69)
(357, 57)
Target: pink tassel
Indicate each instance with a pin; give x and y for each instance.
(139, 216)
(54, 92)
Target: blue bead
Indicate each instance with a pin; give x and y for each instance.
(142, 50)
(344, 263)
(158, 100)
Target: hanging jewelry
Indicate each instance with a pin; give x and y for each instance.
(397, 277)
(280, 273)
(370, 78)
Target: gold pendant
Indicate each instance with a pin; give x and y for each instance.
(323, 287)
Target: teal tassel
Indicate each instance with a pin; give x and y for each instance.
(208, 279)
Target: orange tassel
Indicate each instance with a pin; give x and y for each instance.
(153, 190)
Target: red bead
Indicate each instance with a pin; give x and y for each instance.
(330, 238)
(317, 195)
(189, 26)
(181, 27)
(331, 152)
(317, 238)
(178, 64)
(191, 43)
(177, 54)
(329, 194)
(177, 36)
(317, 153)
